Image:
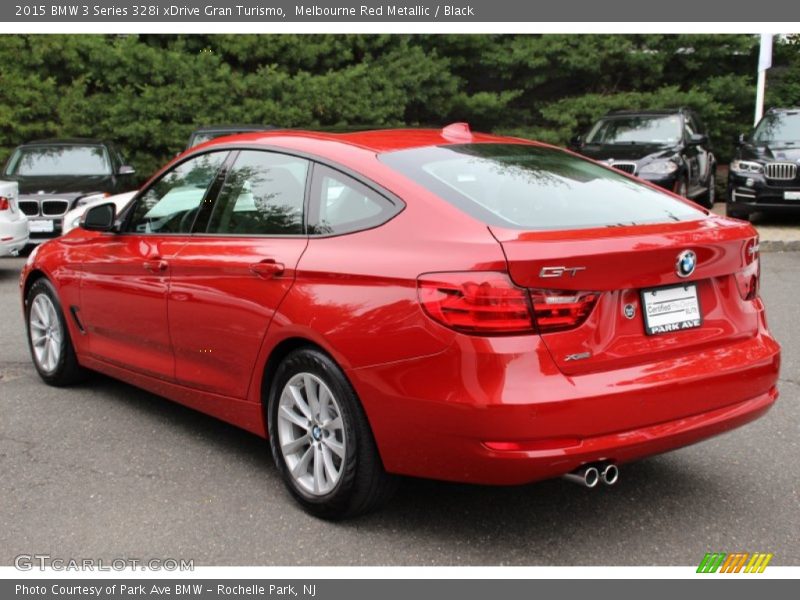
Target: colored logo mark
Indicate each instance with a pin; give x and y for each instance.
(738, 562)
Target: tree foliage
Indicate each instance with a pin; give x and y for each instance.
(148, 92)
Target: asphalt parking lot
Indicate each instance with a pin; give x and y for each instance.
(107, 471)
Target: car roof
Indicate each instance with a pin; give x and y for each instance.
(75, 141)
(372, 141)
(650, 111)
(783, 110)
(231, 127)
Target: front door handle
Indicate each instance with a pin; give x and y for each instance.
(155, 265)
(267, 268)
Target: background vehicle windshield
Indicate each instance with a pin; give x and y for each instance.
(636, 130)
(778, 127)
(59, 160)
(530, 187)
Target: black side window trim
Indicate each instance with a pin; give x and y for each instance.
(313, 202)
(126, 222)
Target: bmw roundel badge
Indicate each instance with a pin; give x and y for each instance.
(687, 261)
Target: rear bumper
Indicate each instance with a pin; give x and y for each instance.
(500, 412)
(13, 236)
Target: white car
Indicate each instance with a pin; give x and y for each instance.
(73, 218)
(14, 232)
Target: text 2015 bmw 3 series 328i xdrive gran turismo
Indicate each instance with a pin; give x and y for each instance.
(431, 303)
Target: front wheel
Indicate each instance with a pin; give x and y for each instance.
(682, 188)
(321, 441)
(48, 337)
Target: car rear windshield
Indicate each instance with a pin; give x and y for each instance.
(59, 160)
(530, 187)
(645, 129)
(778, 127)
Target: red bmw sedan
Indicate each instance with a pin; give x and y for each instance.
(433, 303)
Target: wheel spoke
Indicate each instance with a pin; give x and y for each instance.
(295, 445)
(300, 402)
(311, 394)
(53, 353)
(324, 404)
(302, 465)
(36, 309)
(335, 446)
(319, 476)
(330, 469)
(45, 358)
(333, 424)
(289, 414)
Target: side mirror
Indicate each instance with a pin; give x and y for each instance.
(738, 139)
(126, 170)
(576, 141)
(100, 217)
(698, 139)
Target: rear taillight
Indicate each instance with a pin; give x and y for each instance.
(5, 203)
(747, 280)
(556, 310)
(476, 302)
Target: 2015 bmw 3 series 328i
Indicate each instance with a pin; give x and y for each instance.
(431, 303)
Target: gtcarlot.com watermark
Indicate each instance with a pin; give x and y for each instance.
(30, 562)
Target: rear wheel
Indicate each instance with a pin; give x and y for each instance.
(321, 441)
(48, 337)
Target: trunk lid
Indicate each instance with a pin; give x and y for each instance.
(617, 264)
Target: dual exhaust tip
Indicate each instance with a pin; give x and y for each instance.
(592, 474)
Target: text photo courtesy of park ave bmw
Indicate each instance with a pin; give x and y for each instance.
(341, 296)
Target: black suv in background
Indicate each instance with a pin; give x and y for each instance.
(669, 148)
(764, 173)
(210, 132)
(57, 175)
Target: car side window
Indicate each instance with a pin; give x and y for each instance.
(340, 204)
(170, 205)
(263, 194)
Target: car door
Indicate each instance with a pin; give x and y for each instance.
(125, 279)
(692, 153)
(231, 277)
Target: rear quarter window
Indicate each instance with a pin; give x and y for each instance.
(530, 187)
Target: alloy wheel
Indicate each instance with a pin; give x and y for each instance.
(311, 434)
(45, 331)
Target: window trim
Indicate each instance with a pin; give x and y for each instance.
(314, 159)
(314, 204)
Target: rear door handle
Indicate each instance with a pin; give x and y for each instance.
(267, 268)
(155, 265)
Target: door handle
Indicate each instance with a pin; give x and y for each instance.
(155, 265)
(267, 268)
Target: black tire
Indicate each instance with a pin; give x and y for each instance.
(65, 370)
(709, 197)
(363, 484)
(682, 188)
(732, 212)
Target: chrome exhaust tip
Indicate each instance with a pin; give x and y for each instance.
(586, 476)
(610, 474)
